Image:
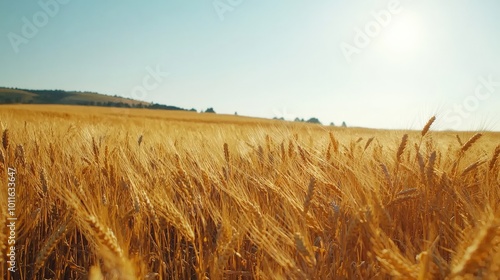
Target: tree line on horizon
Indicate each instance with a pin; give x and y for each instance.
(56, 96)
(311, 120)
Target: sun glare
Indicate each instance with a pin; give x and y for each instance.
(403, 35)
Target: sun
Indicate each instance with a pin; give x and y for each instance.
(402, 35)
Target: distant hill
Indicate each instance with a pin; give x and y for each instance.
(27, 96)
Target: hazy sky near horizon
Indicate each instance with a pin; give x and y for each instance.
(379, 64)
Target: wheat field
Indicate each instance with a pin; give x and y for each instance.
(139, 194)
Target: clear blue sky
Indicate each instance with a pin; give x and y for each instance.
(269, 58)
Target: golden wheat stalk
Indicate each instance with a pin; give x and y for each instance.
(472, 167)
(368, 142)
(20, 156)
(5, 139)
(396, 265)
(291, 149)
(430, 166)
(95, 149)
(106, 237)
(309, 196)
(402, 198)
(43, 181)
(494, 158)
(50, 244)
(387, 175)
(428, 126)
(283, 153)
(335, 142)
(478, 251)
(303, 249)
(470, 142)
(226, 240)
(151, 208)
(402, 147)
(226, 153)
(2, 158)
(421, 165)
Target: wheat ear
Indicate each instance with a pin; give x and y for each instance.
(470, 142)
(402, 147)
(428, 126)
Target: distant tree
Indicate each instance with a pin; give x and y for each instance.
(297, 120)
(210, 110)
(235, 113)
(164, 107)
(193, 110)
(344, 124)
(313, 120)
(332, 124)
